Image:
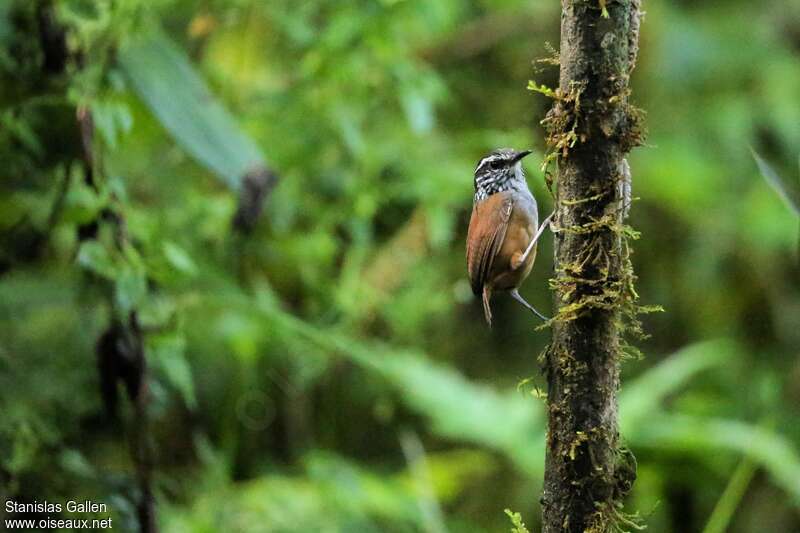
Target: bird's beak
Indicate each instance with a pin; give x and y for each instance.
(520, 155)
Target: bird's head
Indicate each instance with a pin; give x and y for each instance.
(499, 171)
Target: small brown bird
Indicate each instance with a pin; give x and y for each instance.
(503, 229)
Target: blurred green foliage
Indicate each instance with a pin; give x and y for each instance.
(330, 371)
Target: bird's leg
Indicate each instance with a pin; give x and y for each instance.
(487, 309)
(545, 223)
(516, 295)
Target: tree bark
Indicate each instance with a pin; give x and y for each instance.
(590, 129)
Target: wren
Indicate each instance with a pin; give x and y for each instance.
(503, 229)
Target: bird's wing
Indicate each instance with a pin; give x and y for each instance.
(487, 230)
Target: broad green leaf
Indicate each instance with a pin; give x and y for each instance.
(460, 409)
(641, 397)
(455, 407)
(165, 79)
(450, 471)
(692, 434)
(333, 495)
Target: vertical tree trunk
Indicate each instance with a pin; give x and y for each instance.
(590, 129)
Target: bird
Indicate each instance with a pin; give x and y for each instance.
(503, 228)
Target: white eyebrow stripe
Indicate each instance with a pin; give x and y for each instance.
(485, 160)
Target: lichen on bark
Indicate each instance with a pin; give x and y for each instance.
(590, 129)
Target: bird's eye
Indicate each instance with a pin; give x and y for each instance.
(496, 164)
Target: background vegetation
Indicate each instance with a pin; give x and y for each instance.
(324, 367)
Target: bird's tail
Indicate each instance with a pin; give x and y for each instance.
(487, 311)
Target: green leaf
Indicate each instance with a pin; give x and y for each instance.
(168, 352)
(702, 435)
(165, 79)
(456, 407)
(74, 462)
(6, 29)
(460, 409)
(178, 258)
(130, 288)
(789, 193)
(604, 9)
(641, 397)
(333, 494)
(112, 119)
(516, 521)
(82, 202)
(418, 110)
(542, 89)
(728, 503)
(21, 130)
(95, 257)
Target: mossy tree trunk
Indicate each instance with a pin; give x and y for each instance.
(590, 129)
